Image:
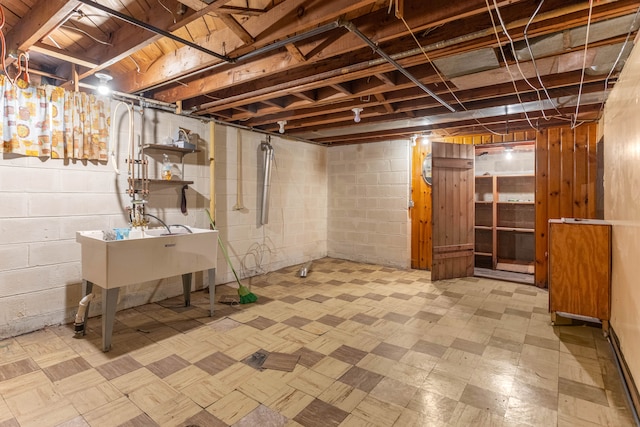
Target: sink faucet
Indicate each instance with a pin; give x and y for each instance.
(159, 220)
(183, 226)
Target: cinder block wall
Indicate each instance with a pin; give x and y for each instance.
(44, 203)
(368, 203)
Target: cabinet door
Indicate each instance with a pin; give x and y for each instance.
(579, 269)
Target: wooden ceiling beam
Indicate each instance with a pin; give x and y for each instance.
(236, 28)
(64, 55)
(295, 52)
(42, 18)
(266, 28)
(276, 64)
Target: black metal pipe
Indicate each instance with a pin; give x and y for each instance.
(264, 49)
(153, 29)
(349, 26)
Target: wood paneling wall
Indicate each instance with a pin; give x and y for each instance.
(565, 186)
(421, 228)
(566, 170)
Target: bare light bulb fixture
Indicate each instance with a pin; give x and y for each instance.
(103, 87)
(426, 140)
(508, 153)
(356, 114)
(414, 138)
(281, 123)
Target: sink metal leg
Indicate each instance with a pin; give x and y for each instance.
(109, 303)
(88, 288)
(186, 288)
(212, 290)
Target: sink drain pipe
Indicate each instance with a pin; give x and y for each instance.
(78, 324)
(266, 183)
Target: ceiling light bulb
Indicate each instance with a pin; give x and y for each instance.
(508, 153)
(414, 138)
(281, 123)
(356, 112)
(426, 140)
(104, 78)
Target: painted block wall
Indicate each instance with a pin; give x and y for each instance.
(368, 203)
(44, 203)
(297, 222)
(622, 207)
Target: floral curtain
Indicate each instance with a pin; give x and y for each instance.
(47, 121)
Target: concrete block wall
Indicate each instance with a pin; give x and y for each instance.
(44, 203)
(368, 203)
(297, 222)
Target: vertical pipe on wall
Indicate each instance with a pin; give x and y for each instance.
(212, 177)
(266, 182)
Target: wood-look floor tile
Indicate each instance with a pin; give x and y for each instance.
(348, 354)
(17, 368)
(393, 391)
(342, 396)
(429, 348)
(318, 298)
(390, 351)
(261, 323)
(396, 317)
(78, 421)
(308, 358)
(291, 299)
(232, 407)
(468, 346)
(347, 297)
(215, 363)
(487, 313)
(482, 398)
(311, 382)
(362, 379)
(142, 420)
(331, 320)
(174, 411)
(203, 418)
(377, 412)
(320, 414)
(541, 342)
(121, 366)
(582, 391)
(23, 383)
(365, 319)
(167, 366)
(296, 321)
(289, 401)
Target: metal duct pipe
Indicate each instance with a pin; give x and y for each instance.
(266, 183)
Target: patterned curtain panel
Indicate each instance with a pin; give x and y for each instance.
(25, 124)
(86, 128)
(47, 121)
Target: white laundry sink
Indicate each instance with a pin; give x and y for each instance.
(153, 256)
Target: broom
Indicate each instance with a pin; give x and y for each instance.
(246, 296)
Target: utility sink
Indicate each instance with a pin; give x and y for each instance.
(155, 255)
(152, 255)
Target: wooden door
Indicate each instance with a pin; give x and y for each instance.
(421, 244)
(453, 210)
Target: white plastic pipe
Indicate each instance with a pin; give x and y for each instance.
(82, 309)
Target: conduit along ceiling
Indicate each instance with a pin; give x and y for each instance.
(406, 66)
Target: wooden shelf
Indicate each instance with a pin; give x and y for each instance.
(169, 182)
(505, 221)
(161, 147)
(518, 230)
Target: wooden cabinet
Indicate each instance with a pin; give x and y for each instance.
(505, 219)
(580, 268)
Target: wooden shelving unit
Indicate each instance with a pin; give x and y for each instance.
(504, 222)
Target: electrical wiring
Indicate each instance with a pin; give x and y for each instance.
(584, 65)
(533, 60)
(615, 63)
(68, 27)
(136, 64)
(168, 10)
(504, 58)
(442, 79)
(515, 56)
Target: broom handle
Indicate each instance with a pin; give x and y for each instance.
(224, 251)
